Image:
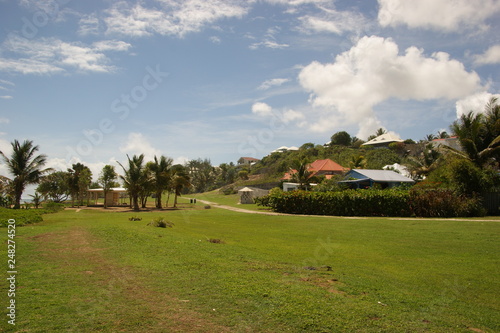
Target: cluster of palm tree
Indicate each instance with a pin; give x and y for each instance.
(158, 176)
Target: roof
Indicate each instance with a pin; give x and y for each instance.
(246, 189)
(325, 165)
(115, 189)
(380, 175)
(249, 159)
(317, 166)
(382, 139)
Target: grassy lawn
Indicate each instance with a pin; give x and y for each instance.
(97, 271)
(222, 199)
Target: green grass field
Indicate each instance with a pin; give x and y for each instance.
(97, 271)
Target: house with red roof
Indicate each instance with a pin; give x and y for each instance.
(326, 167)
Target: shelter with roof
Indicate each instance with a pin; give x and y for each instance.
(365, 178)
(116, 196)
(383, 141)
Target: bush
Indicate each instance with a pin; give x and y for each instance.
(429, 201)
(53, 207)
(421, 202)
(344, 203)
(161, 223)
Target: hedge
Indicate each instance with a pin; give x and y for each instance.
(374, 202)
(27, 216)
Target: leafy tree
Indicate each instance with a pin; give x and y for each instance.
(202, 174)
(79, 180)
(6, 191)
(55, 186)
(134, 178)
(107, 179)
(25, 166)
(243, 174)
(161, 174)
(341, 138)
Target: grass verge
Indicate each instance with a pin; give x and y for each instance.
(97, 271)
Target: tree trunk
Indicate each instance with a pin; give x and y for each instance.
(135, 200)
(158, 200)
(175, 201)
(105, 202)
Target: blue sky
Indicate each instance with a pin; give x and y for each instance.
(92, 81)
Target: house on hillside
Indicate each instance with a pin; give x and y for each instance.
(283, 149)
(382, 141)
(451, 142)
(365, 178)
(326, 167)
(247, 161)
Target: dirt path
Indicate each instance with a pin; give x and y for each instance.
(117, 289)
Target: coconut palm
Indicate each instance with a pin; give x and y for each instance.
(300, 173)
(180, 180)
(133, 179)
(25, 166)
(479, 134)
(161, 175)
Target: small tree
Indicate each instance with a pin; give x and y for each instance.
(341, 138)
(54, 186)
(107, 179)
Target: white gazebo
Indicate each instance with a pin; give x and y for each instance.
(246, 195)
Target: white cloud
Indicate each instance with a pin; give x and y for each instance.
(261, 109)
(372, 71)
(4, 120)
(491, 56)
(138, 144)
(215, 40)
(88, 25)
(269, 40)
(474, 103)
(296, 2)
(448, 15)
(51, 55)
(175, 17)
(272, 83)
(6, 97)
(332, 21)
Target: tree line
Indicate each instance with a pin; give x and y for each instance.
(472, 169)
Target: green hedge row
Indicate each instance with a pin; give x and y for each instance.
(27, 216)
(374, 202)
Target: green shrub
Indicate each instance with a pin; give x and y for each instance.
(429, 201)
(22, 216)
(418, 201)
(161, 223)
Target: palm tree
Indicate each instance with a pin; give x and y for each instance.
(358, 162)
(25, 166)
(180, 180)
(300, 173)
(425, 163)
(479, 134)
(161, 175)
(133, 179)
(36, 199)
